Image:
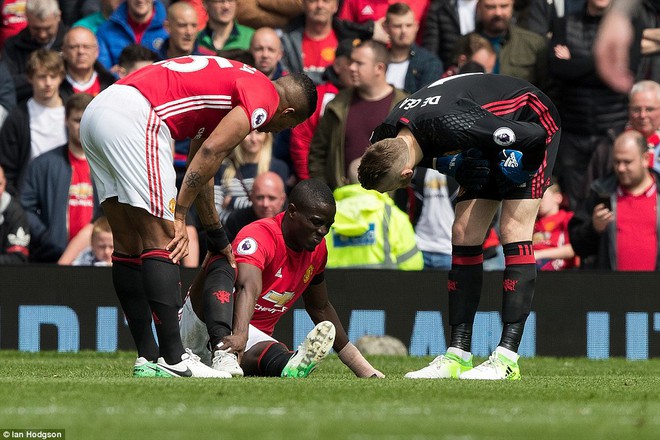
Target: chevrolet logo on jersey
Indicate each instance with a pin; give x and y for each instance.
(277, 298)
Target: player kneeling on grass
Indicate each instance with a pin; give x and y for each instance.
(279, 260)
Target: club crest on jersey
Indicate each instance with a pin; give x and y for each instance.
(258, 117)
(504, 136)
(247, 246)
(308, 273)
(172, 205)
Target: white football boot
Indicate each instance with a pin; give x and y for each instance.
(225, 361)
(190, 366)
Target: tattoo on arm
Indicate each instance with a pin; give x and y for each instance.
(193, 179)
(206, 208)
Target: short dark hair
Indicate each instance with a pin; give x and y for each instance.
(240, 55)
(311, 193)
(309, 91)
(134, 53)
(381, 54)
(77, 101)
(398, 9)
(469, 44)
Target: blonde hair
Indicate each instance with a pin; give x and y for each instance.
(100, 225)
(382, 158)
(237, 159)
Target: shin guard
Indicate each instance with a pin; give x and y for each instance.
(162, 282)
(273, 360)
(464, 289)
(517, 291)
(127, 280)
(219, 299)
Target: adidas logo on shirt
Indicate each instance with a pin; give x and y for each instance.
(278, 274)
(367, 10)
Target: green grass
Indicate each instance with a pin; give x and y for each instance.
(91, 396)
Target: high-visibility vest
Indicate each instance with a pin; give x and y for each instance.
(371, 232)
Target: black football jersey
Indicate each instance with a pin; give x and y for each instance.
(475, 110)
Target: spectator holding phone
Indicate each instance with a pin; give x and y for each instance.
(621, 209)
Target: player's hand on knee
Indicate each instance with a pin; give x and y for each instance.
(178, 246)
(511, 165)
(474, 171)
(217, 243)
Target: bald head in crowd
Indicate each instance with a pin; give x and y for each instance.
(267, 195)
(266, 48)
(630, 157)
(181, 24)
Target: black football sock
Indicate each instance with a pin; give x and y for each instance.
(219, 299)
(162, 282)
(464, 289)
(273, 360)
(127, 280)
(517, 291)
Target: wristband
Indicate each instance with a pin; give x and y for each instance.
(216, 240)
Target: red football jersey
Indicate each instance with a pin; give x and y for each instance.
(285, 274)
(550, 232)
(192, 94)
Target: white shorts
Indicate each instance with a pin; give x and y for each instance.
(129, 150)
(195, 336)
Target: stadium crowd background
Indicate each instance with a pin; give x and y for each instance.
(48, 213)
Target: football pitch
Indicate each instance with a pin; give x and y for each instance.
(92, 396)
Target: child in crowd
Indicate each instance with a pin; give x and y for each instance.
(552, 248)
(100, 251)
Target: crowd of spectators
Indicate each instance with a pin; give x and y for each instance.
(364, 57)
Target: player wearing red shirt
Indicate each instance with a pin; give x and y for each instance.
(127, 132)
(279, 260)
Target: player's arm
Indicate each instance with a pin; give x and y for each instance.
(319, 308)
(206, 161)
(247, 290)
(560, 252)
(207, 214)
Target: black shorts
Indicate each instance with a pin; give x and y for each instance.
(533, 189)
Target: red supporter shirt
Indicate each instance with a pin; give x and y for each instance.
(13, 18)
(318, 54)
(140, 28)
(81, 196)
(360, 11)
(550, 232)
(93, 87)
(285, 274)
(302, 134)
(192, 94)
(636, 230)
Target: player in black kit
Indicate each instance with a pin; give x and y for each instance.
(498, 136)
